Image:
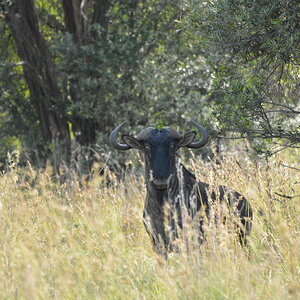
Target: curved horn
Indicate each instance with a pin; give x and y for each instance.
(144, 134)
(174, 133)
(113, 139)
(204, 139)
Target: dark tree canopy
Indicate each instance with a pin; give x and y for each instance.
(255, 48)
(70, 70)
(85, 64)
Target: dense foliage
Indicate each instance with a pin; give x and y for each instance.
(71, 70)
(113, 61)
(254, 46)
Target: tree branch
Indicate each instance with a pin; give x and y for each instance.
(278, 104)
(286, 196)
(297, 169)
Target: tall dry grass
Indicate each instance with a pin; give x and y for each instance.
(87, 241)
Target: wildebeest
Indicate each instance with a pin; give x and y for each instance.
(170, 183)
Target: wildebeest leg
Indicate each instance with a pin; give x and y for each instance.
(154, 225)
(201, 235)
(243, 230)
(246, 215)
(174, 225)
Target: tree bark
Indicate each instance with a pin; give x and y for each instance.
(77, 24)
(74, 22)
(39, 73)
(99, 15)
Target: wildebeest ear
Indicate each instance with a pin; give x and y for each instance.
(132, 141)
(187, 139)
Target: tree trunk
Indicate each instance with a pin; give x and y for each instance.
(74, 21)
(39, 73)
(78, 16)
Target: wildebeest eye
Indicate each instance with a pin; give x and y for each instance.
(147, 147)
(173, 146)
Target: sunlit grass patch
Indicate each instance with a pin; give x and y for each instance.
(87, 240)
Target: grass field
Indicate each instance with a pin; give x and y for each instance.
(87, 241)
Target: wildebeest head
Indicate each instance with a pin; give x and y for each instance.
(159, 147)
